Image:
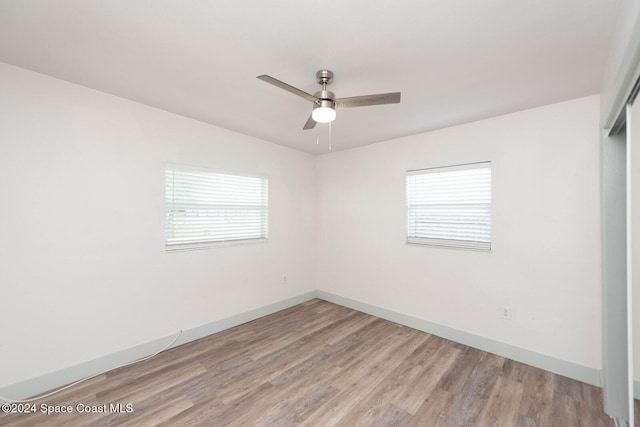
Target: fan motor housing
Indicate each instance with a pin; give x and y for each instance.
(326, 98)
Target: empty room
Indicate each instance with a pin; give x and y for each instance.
(296, 213)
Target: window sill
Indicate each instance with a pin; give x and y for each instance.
(211, 245)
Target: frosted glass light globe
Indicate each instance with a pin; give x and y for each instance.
(323, 114)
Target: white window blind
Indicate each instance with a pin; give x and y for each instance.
(450, 206)
(205, 207)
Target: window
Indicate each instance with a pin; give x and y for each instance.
(450, 206)
(208, 208)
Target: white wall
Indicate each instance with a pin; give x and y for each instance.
(545, 262)
(83, 270)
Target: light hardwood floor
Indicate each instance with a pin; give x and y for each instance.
(320, 364)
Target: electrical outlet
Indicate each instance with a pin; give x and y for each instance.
(505, 313)
(284, 279)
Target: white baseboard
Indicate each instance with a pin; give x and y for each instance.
(548, 363)
(53, 380)
(43, 383)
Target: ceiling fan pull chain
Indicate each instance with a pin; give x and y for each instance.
(318, 140)
(329, 136)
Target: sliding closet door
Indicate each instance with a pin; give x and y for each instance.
(633, 242)
(615, 362)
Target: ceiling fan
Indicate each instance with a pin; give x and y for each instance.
(325, 102)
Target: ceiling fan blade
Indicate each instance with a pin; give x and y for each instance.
(310, 124)
(363, 101)
(288, 88)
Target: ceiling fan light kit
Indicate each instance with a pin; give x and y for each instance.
(323, 113)
(325, 102)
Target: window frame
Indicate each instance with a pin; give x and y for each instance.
(196, 244)
(449, 243)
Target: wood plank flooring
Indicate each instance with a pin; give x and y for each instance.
(320, 364)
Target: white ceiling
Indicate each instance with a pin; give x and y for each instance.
(454, 61)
